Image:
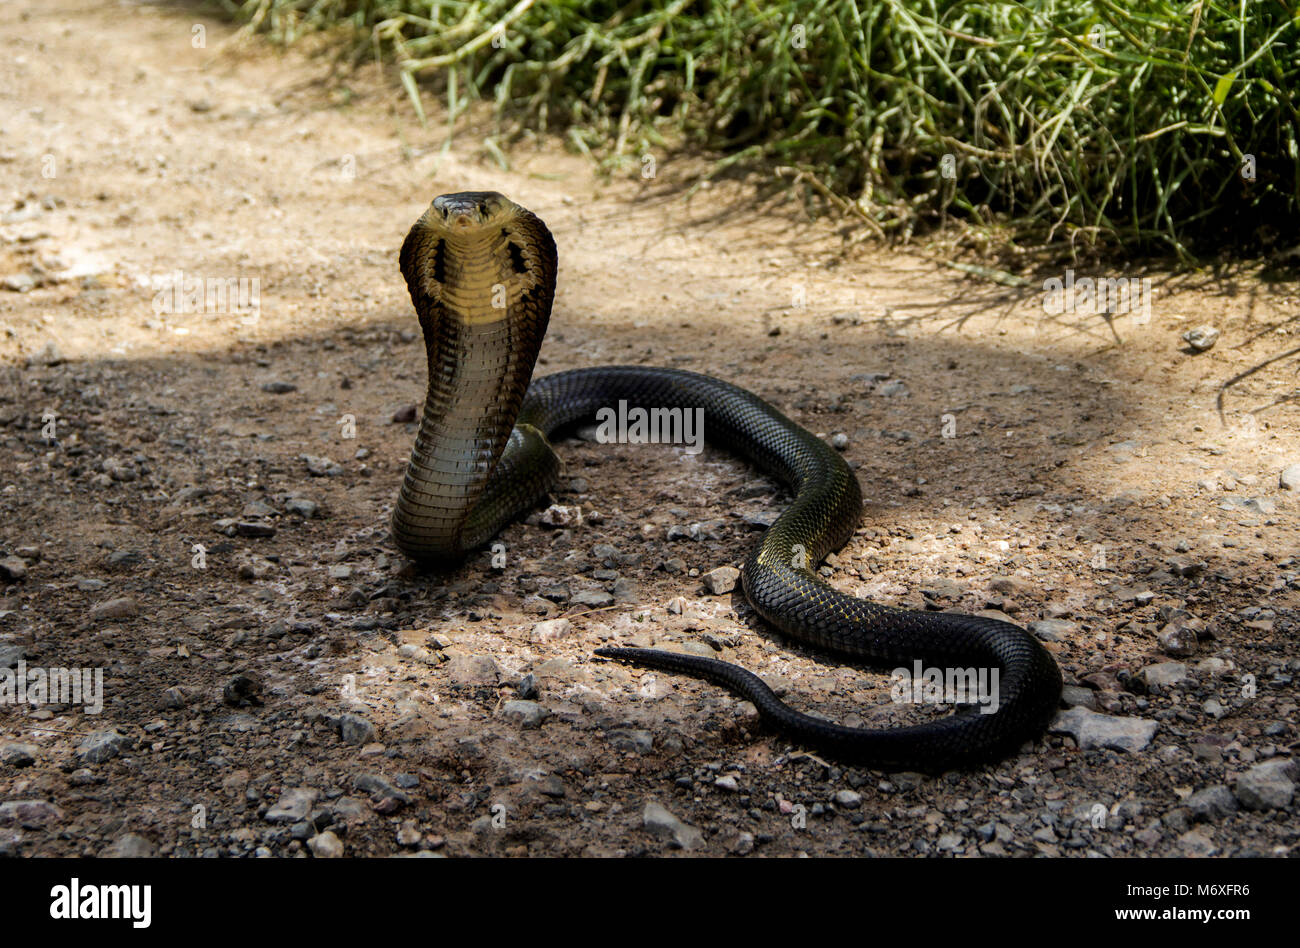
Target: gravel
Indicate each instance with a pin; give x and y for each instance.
(355, 729)
(1202, 338)
(631, 741)
(12, 569)
(129, 846)
(551, 629)
(721, 580)
(326, 846)
(1211, 803)
(294, 805)
(18, 755)
(123, 607)
(529, 714)
(1054, 630)
(29, 813)
(100, 746)
(1091, 730)
(1267, 786)
(848, 799)
(660, 823)
(1165, 674)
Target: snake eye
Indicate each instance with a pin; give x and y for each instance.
(482, 209)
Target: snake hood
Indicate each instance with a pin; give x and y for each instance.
(481, 272)
(486, 249)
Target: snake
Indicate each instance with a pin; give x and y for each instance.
(481, 272)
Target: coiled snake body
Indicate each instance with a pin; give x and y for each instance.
(481, 273)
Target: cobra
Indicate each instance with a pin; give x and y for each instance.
(481, 273)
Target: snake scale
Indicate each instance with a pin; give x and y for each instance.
(481, 273)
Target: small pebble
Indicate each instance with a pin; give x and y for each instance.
(848, 799)
(326, 846)
(721, 580)
(1202, 338)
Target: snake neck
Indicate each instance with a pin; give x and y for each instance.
(483, 301)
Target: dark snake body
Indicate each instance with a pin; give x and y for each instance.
(482, 457)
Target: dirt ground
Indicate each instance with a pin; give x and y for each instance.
(197, 502)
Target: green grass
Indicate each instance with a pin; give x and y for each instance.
(1115, 125)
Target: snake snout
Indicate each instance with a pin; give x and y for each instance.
(465, 210)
